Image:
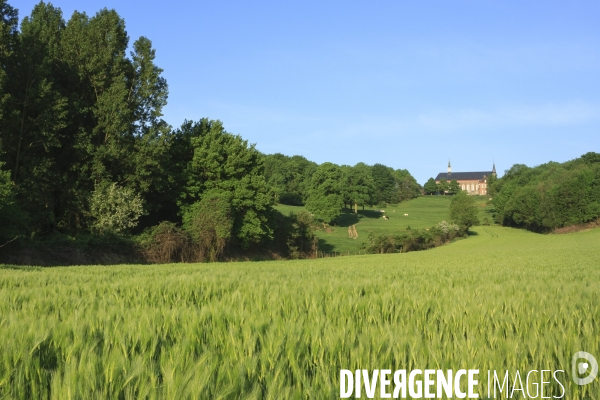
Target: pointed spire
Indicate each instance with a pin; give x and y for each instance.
(494, 168)
(449, 168)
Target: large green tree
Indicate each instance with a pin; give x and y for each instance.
(325, 199)
(453, 187)
(406, 185)
(227, 163)
(288, 177)
(430, 186)
(463, 211)
(385, 186)
(358, 186)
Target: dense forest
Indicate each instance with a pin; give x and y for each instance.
(88, 167)
(549, 196)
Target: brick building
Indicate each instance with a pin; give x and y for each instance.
(472, 182)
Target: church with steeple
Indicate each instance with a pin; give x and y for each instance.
(475, 183)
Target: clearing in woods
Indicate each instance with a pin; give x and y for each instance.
(423, 212)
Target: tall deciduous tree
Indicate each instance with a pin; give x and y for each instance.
(463, 211)
(453, 187)
(406, 185)
(325, 199)
(358, 185)
(443, 186)
(430, 186)
(226, 162)
(384, 184)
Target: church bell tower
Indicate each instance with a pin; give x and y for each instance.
(494, 169)
(449, 169)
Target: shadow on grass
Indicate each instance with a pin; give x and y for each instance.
(370, 214)
(325, 247)
(346, 219)
(349, 218)
(472, 233)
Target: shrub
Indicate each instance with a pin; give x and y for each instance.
(166, 243)
(412, 239)
(114, 208)
(209, 223)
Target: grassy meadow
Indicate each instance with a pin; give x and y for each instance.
(501, 299)
(423, 212)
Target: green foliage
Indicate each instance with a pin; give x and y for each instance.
(406, 185)
(423, 212)
(225, 162)
(210, 223)
(79, 112)
(166, 243)
(385, 185)
(430, 187)
(8, 34)
(288, 177)
(12, 219)
(443, 186)
(549, 196)
(411, 239)
(293, 235)
(325, 199)
(283, 330)
(114, 208)
(463, 211)
(358, 185)
(453, 187)
(491, 185)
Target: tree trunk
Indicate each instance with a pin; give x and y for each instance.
(355, 208)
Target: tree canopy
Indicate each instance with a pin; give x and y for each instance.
(549, 196)
(463, 211)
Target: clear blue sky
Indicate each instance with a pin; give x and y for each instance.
(407, 84)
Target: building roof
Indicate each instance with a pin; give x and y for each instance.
(463, 176)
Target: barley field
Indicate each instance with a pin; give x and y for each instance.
(501, 299)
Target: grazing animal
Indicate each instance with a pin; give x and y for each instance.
(386, 217)
(406, 215)
(382, 211)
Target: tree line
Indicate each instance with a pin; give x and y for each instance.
(549, 196)
(328, 188)
(443, 187)
(86, 157)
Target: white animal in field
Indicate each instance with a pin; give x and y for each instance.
(382, 211)
(406, 215)
(386, 217)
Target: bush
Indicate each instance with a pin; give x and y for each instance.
(412, 239)
(209, 222)
(166, 243)
(114, 208)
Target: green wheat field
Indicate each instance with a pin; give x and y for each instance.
(501, 299)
